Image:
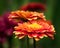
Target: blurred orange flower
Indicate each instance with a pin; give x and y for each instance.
(34, 25)
(34, 29)
(26, 15)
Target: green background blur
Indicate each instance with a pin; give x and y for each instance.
(52, 13)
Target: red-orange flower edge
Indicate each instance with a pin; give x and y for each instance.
(35, 27)
(33, 7)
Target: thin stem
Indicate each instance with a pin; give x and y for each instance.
(22, 43)
(34, 43)
(27, 42)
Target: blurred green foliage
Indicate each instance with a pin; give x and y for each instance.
(52, 13)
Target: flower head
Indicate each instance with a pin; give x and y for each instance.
(34, 25)
(6, 27)
(34, 7)
(26, 15)
(34, 29)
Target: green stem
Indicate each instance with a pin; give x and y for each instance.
(22, 43)
(27, 42)
(34, 43)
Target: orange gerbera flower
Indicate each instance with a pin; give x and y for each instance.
(34, 25)
(34, 29)
(26, 15)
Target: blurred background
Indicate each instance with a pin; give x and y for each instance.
(52, 13)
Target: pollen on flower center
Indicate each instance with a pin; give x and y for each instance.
(34, 26)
